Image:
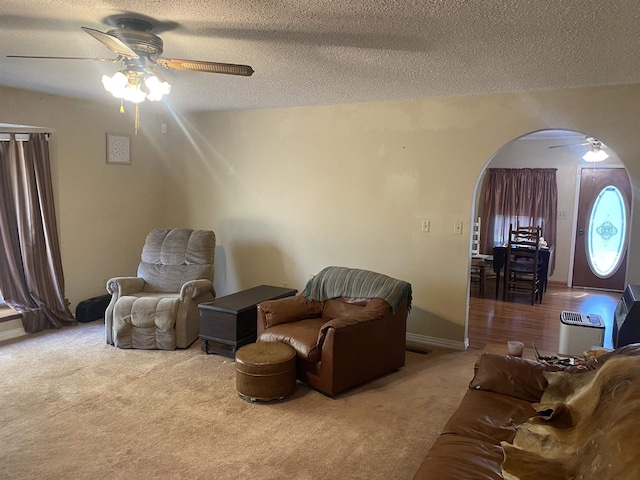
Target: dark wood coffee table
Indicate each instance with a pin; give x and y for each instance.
(230, 322)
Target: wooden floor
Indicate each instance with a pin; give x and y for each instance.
(495, 321)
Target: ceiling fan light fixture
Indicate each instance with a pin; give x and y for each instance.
(133, 92)
(114, 84)
(595, 155)
(157, 86)
(127, 85)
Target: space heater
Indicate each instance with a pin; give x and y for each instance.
(579, 332)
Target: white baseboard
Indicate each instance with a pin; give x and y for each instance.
(424, 340)
(16, 332)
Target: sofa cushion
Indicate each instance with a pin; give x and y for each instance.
(171, 257)
(455, 457)
(145, 322)
(302, 336)
(489, 416)
(516, 377)
(469, 445)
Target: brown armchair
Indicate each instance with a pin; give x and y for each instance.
(341, 340)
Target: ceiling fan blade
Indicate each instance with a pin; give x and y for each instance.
(111, 42)
(210, 67)
(114, 60)
(570, 145)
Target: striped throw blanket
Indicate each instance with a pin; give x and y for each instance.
(333, 282)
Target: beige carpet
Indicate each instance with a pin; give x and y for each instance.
(73, 407)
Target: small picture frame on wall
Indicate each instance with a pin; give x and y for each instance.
(118, 149)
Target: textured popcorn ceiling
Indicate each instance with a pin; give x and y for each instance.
(318, 52)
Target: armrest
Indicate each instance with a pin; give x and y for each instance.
(346, 322)
(286, 310)
(376, 309)
(360, 325)
(119, 286)
(195, 288)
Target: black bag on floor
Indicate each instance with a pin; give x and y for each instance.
(92, 309)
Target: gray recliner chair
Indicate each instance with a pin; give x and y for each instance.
(158, 309)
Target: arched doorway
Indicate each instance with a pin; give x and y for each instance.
(535, 150)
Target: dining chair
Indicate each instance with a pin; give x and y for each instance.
(523, 269)
(481, 265)
(478, 275)
(475, 236)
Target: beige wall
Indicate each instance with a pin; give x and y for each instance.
(290, 191)
(293, 190)
(104, 211)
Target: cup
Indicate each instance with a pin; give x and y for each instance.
(514, 348)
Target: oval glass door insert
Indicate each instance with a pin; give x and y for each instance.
(607, 232)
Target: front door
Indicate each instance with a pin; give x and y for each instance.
(602, 229)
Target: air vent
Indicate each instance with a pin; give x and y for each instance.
(584, 319)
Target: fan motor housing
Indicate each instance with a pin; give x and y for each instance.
(135, 33)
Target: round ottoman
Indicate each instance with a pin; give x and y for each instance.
(265, 371)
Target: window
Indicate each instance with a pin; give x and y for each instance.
(606, 232)
(525, 196)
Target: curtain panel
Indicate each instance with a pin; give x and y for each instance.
(31, 278)
(525, 195)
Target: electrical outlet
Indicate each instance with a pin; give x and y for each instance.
(457, 228)
(285, 284)
(562, 215)
(426, 226)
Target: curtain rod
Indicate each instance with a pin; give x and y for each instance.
(20, 136)
(48, 134)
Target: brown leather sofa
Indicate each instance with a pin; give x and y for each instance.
(499, 400)
(339, 342)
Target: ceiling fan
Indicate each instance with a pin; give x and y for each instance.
(596, 154)
(138, 47)
(587, 141)
(140, 52)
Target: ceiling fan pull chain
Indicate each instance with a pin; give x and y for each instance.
(121, 106)
(137, 121)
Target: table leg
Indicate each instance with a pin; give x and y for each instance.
(504, 285)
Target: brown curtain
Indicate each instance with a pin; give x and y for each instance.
(31, 279)
(525, 195)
